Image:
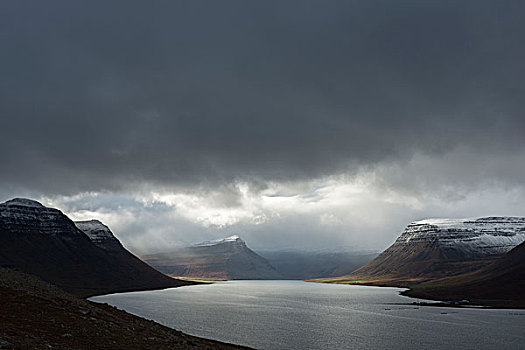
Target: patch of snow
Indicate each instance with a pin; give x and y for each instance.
(233, 238)
(95, 230)
(480, 236)
(27, 209)
(492, 223)
(24, 202)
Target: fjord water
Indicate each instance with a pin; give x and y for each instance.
(302, 315)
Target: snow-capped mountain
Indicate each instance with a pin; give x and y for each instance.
(26, 216)
(435, 248)
(45, 242)
(228, 258)
(100, 235)
(467, 238)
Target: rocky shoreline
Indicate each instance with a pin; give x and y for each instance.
(35, 315)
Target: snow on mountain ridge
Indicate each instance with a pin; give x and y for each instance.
(97, 232)
(500, 223)
(476, 236)
(232, 239)
(94, 228)
(24, 202)
(17, 212)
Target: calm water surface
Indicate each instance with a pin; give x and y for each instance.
(301, 315)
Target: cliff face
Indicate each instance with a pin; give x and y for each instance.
(45, 242)
(467, 238)
(437, 248)
(228, 258)
(25, 217)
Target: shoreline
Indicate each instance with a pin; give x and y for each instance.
(138, 289)
(37, 314)
(413, 292)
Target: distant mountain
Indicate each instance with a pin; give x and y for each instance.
(315, 264)
(438, 248)
(43, 241)
(227, 258)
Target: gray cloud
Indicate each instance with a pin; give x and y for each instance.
(104, 103)
(98, 95)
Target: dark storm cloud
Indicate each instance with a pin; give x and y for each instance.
(96, 95)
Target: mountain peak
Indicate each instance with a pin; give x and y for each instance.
(92, 224)
(231, 239)
(99, 234)
(25, 202)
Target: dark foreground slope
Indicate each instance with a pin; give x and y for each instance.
(44, 242)
(227, 259)
(499, 284)
(37, 315)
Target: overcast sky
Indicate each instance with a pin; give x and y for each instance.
(306, 124)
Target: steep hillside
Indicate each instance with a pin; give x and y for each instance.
(227, 258)
(502, 283)
(45, 242)
(437, 248)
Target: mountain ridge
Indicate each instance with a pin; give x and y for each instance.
(439, 247)
(43, 241)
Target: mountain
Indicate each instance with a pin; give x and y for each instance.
(438, 248)
(501, 283)
(43, 241)
(301, 265)
(227, 258)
